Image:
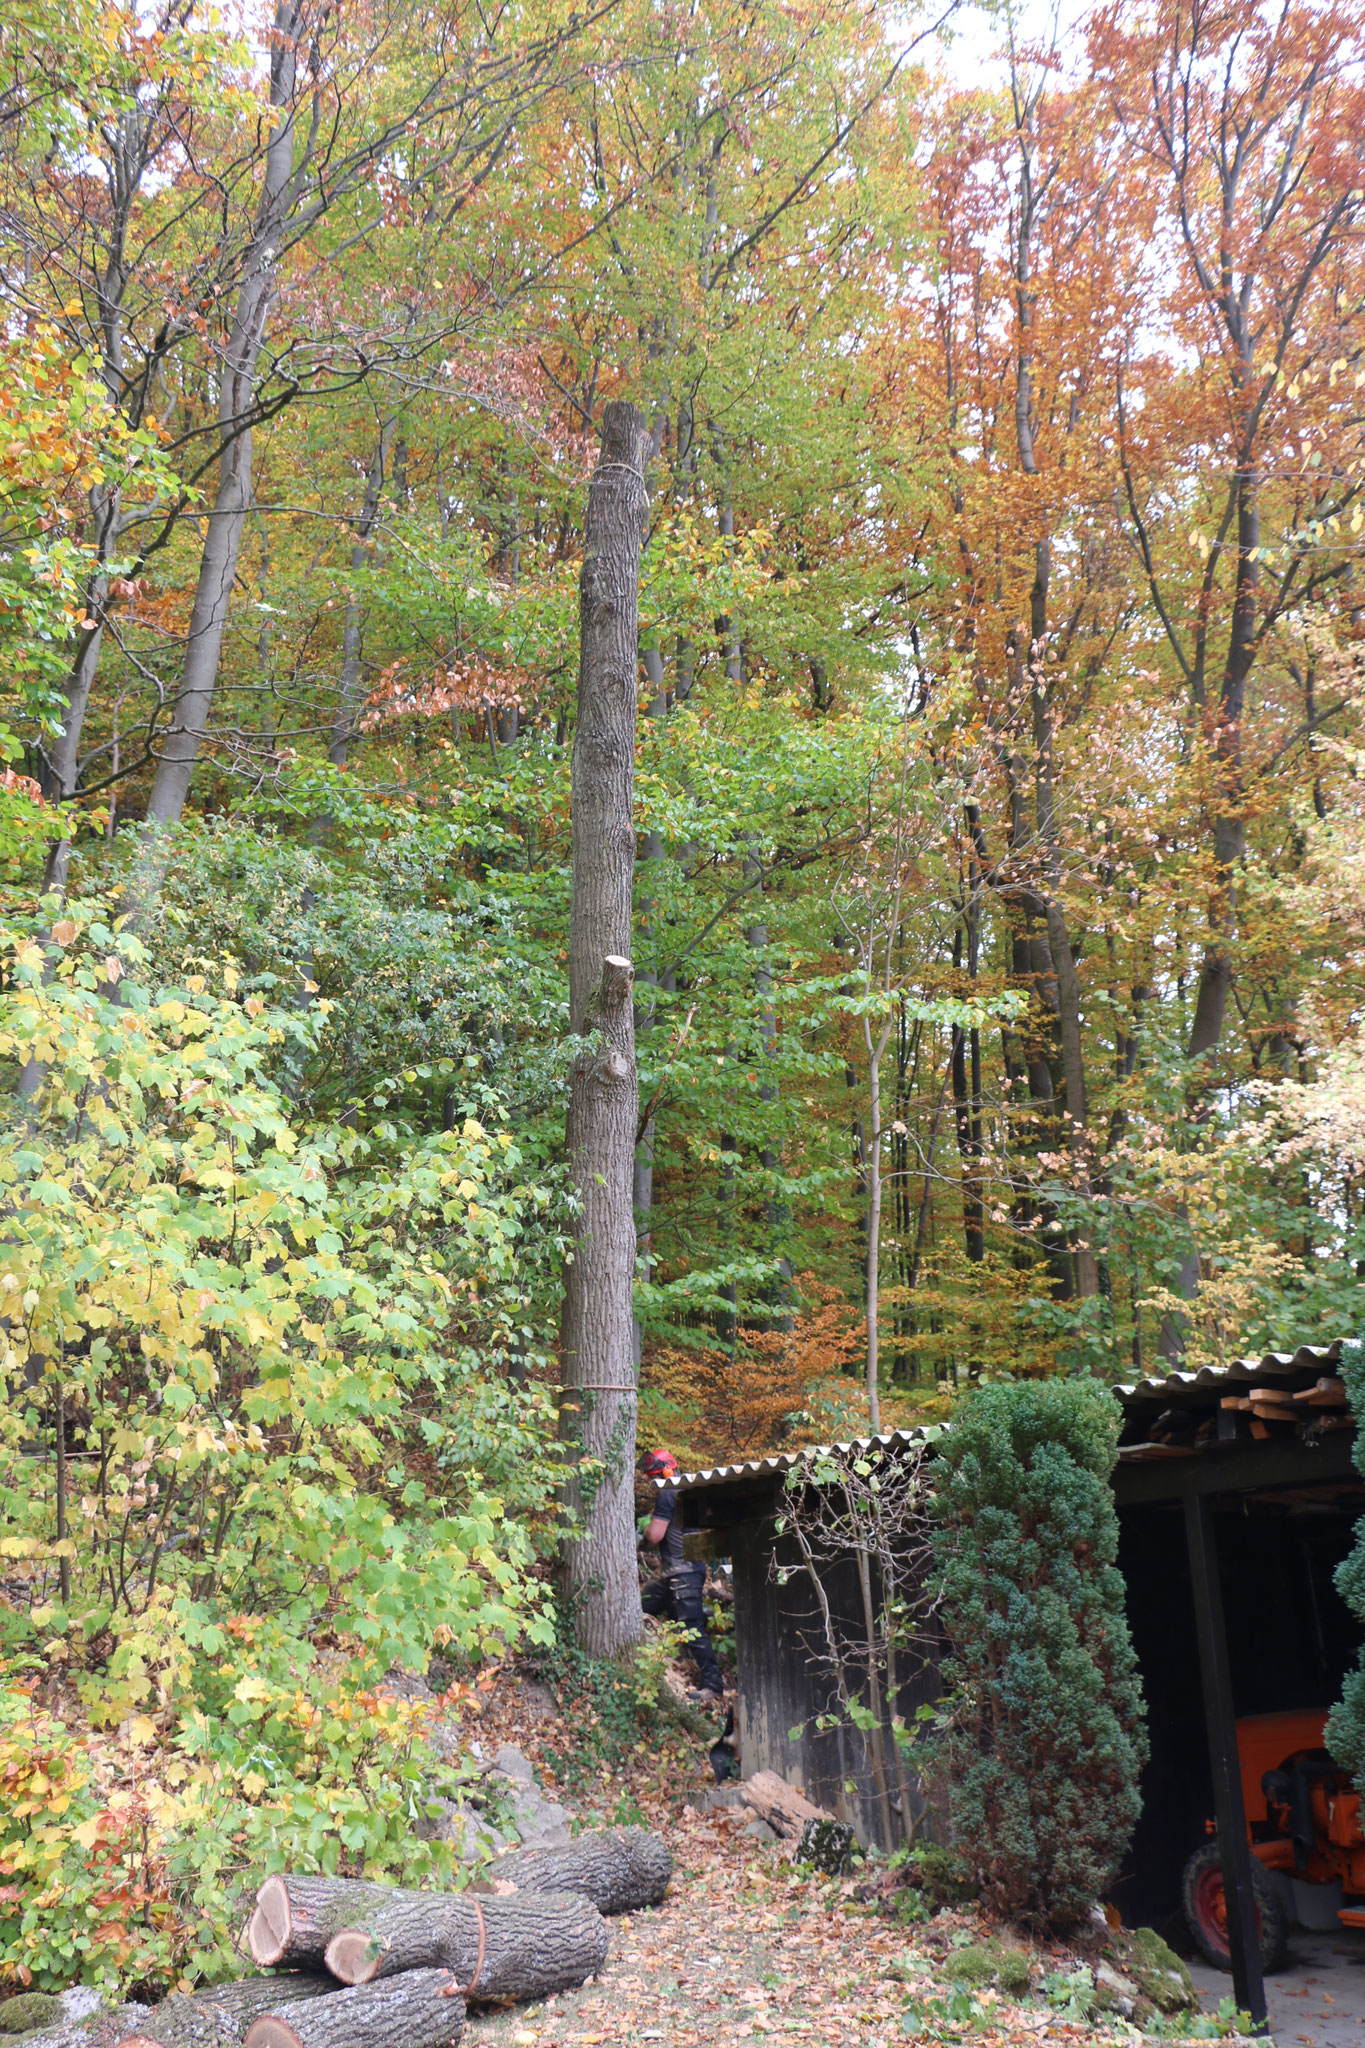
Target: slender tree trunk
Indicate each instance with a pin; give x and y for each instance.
(598, 1412)
(233, 499)
(876, 1046)
(64, 757)
(350, 696)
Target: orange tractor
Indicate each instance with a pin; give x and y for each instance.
(1303, 1817)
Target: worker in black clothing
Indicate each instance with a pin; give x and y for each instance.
(678, 1590)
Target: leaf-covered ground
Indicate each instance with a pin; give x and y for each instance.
(746, 1947)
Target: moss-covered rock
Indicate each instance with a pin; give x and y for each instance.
(989, 1962)
(30, 2010)
(1158, 1971)
(974, 1965)
(1013, 1972)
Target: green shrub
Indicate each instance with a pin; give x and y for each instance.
(1345, 1733)
(1047, 1739)
(250, 1335)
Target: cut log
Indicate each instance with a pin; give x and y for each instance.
(619, 1869)
(217, 2017)
(421, 2010)
(522, 1946)
(296, 1917)
(774, 1800)
(1327, 1393)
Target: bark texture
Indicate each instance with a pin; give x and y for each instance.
(422, 2010)
(526, 1947)
(618, 1869)
(597, 1415)
(218, 2017)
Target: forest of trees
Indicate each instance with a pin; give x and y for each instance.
(999, 906)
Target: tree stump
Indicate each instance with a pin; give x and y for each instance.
(619, 1869)
(423, 2009)
(523, 1946)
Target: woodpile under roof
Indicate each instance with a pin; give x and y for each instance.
(1167, 1415)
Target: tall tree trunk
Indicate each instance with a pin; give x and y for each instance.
(1229, 821)
(236, 397)
(1066, 982)
(647, 979)
(350, 696)
(599, 1407)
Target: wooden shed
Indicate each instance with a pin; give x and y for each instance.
(732, 1512)
(1237, 1500)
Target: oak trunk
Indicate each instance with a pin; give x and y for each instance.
(618, 1869)
(422, 2010)
(514, 1947)
(597, 1414)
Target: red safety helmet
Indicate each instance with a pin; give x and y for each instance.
(659, 1465)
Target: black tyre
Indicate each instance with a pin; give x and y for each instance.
(1206, 1911)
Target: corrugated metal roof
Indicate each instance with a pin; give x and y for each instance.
(1156, 1390)
(1271, 1366)
(778, 1466)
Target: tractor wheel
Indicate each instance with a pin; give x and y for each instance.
(1206, 1911)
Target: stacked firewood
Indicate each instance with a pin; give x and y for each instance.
(1323, 1404)
(360, 1965)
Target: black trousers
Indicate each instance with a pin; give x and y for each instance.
(679, 1598)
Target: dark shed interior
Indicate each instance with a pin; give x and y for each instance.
(1291, 1641)
(1266, 1446)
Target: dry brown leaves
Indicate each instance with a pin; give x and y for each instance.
(745, 1948)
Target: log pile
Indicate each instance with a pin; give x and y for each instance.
(619, 1869)
(409, 1961)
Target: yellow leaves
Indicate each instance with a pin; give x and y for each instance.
(250, 1687)
(139, 1732)
(89, 1831)
(253, 1006)
(253, 1784)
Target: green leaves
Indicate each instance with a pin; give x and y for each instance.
(259, 1356)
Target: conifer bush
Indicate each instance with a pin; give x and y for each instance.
(1048, 1736)
(1345, 1733)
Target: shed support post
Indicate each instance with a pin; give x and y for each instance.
(1234, 1849)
